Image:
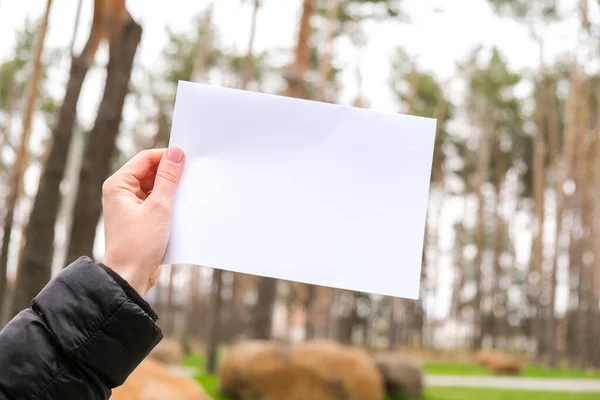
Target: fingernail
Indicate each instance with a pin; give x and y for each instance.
(175, 154)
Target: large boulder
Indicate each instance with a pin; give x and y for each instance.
(401, 376)
(348, 372)
(152, 380)
(499, 363)
(253, 368)
(168, 351)
(318, 370)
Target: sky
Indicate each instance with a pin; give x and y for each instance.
(439, 34)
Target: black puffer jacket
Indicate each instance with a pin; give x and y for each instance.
(85, 332)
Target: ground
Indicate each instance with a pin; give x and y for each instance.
(530, 371)
(210, 385)
(450, 393)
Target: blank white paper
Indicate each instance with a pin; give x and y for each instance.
(300, 190)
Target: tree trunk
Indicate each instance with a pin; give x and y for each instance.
(96, 165)
(21, 162)
(563, 173)
(594, 331)
(480, 179)
(9, 215)
(248, 62)
(393, 326)
(539, 185)
(34, 270)
(585, 179)
(169, 311)
(572, 321)
(212, 339)
(348, 318)
(498, 293)
(309, 308)
(190, 311)
(263, 309)
(296, 82)
(325, 59)
(75, 27)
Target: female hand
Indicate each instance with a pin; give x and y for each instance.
(137, 202)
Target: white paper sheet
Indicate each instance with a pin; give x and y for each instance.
(300, 190)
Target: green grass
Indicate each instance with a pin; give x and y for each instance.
(531, 371)
(210, 385)
(494, 394)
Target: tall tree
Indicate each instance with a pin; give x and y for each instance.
(262, 318)
(248, 62)
(123, 42)
(34, 270)
(16, 182)
(212, 338)
(421, 94)
(594, 332)
(536, 15)
(564, 164)
(12, 88)
(296, 84)
(495, 112)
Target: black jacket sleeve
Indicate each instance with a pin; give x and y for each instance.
(85, 332)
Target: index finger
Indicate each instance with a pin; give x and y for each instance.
(140, 165)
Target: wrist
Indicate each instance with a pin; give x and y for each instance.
(129, 274)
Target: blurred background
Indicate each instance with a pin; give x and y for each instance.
(511, 259)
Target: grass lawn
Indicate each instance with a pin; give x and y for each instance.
(532, 371)
(211, 387)
(494, 394)
(210, 383)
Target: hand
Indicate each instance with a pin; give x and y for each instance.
(137, 202)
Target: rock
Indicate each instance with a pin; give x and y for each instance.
(349, 372)
(168, 351)
(254, 367)
(152, 380)
(317, 370)
(401, 376)
(499, 363)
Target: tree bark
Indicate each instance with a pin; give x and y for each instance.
(75, 27)
(169, 311)
(212, 339)
(21, 162)
(498, 294)
(96, 165)
(248, 62)
(393, 326)
(594, 332)
(263, 309)
(296, 82)
(35, 267)
(348, 318)
(563, 173)
(309, 308)
(539, 185)
(480, 179)
(325, 59)
(9, 215)
(585, 180)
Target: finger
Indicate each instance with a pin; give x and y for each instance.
(147, 183)
(143, 163)
(167, 177)
(137, 174)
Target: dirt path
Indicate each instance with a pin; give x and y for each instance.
(534, 384)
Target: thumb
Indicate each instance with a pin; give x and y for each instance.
(167, 176)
